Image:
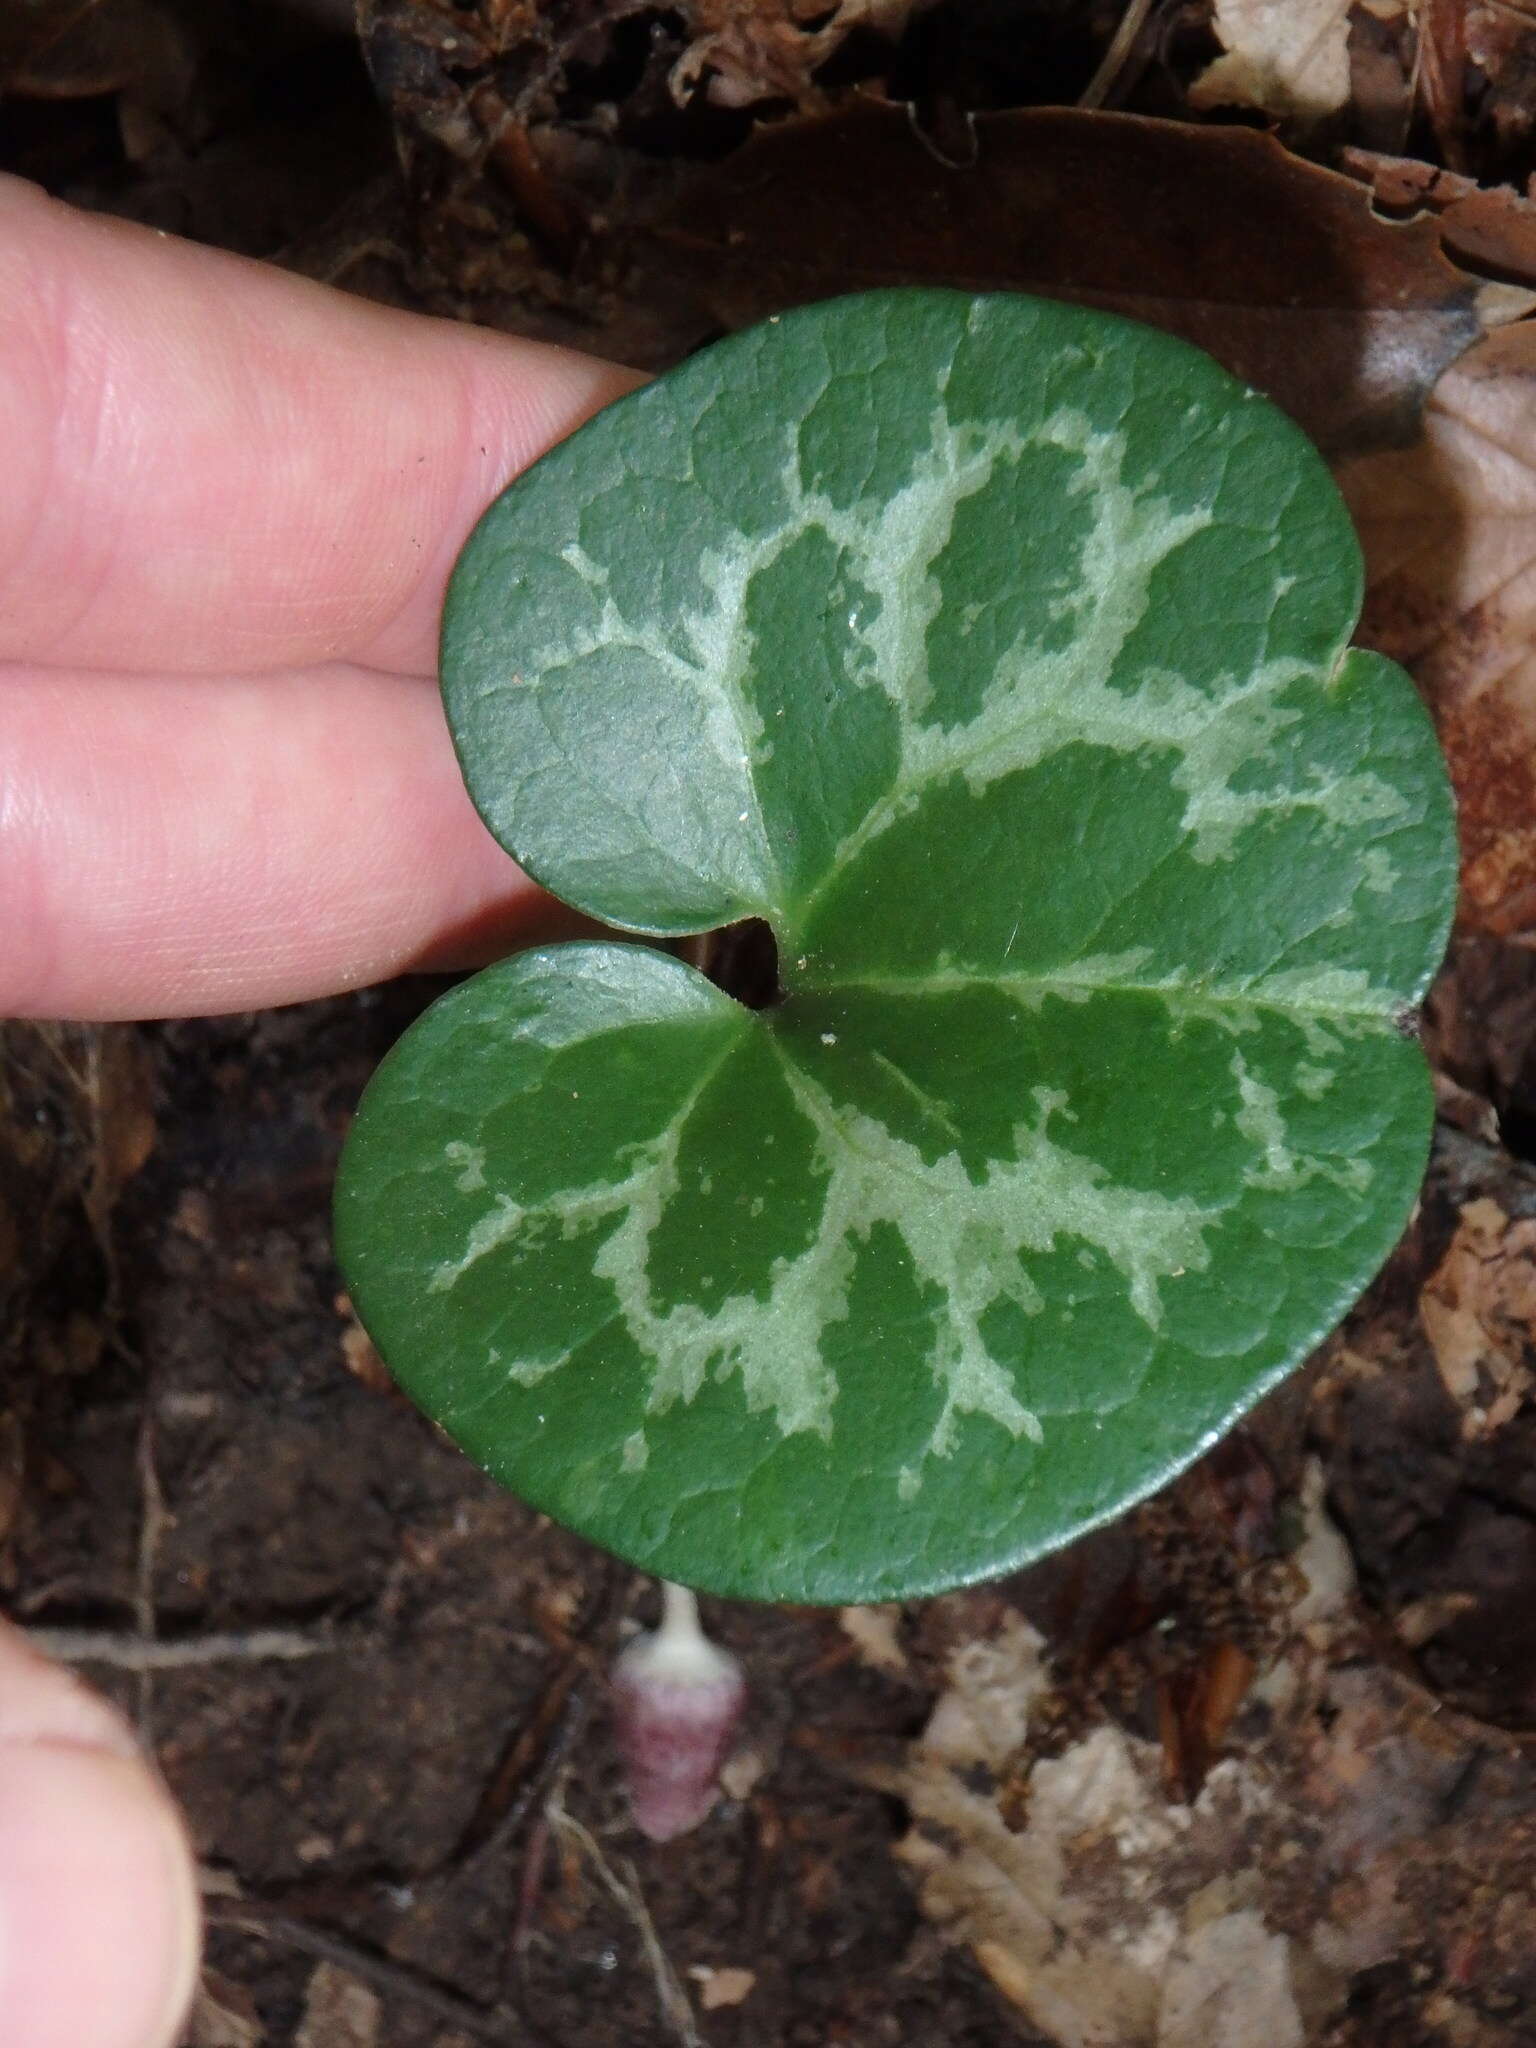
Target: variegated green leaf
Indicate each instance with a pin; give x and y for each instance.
(994, 652)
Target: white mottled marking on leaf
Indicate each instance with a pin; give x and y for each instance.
(774, 1346)
(1037, 701)
(1381, 872)
(636, 1453)
(924, 1101)
(965, 1238)
(965, 1232)
(1319, 1000)
(496, 1227)
(1344, 997)
(471, 1160)
(1283, 1168)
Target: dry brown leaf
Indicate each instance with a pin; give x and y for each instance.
(1449, 530)
(339, 2012)
(1501, 46)
(1195, 1706)
(1479, 1310)
(1354, 1824)
(722, 1988)
(1111, 1918)
(1289, 58)
(76, 49)
(361, 1355)
(1441, 28)
(1489, 229)
(873, 1631)
(12, 1473)
(745, 51)
(224, 2016)
(1280, 269)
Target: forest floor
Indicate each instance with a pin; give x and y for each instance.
(1256, 1765)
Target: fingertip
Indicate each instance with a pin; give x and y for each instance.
(99, 1921)
(213, 464)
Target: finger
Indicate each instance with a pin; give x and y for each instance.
(170, 847)
(210, 464)
(98, 1910)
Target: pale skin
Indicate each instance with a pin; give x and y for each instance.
(229, 505)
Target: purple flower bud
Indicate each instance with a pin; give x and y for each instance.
(677, 1699)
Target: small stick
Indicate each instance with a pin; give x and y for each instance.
(626, 1893)
(1113, 62)
(147, 1653)
(498, 2028)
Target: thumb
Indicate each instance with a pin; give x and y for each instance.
(98, 1910)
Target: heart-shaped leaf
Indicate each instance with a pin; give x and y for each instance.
(993, 652)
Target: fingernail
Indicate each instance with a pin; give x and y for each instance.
(98, 1910)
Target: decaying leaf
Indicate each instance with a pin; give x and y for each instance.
(1106, 1918)
(339, 2012)
(1279, 268)
(1427, 1427)
(1112, 1915)
(224, 2015)
(1491, 230)
(1479, 1309)
(1449, 530)
(722, 1988)
(12, 1456)
(74, 49)
(1500, 41)
(873, 1633)
(743, 51)
(1289, 58)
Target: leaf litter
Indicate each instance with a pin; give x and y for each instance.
(1449, 529)
(1289, 58)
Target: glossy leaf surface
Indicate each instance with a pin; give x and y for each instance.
(994, 652)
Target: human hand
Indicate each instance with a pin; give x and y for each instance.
(229, 505)
(98, 1911)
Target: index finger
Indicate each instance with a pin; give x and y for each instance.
(212, 464)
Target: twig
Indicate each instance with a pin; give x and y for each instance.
(145, 1653)
(1113, 62)
(527, 1765)
(152, 1521)
(544, 1738)
(535, 1856)
(495, 2025)
(675, 2004)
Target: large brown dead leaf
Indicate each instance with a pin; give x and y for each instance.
(1449, 529)
(1489, 229)
(1280, 269)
